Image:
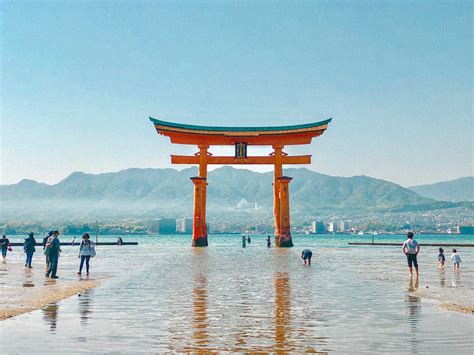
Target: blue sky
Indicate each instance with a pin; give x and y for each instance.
(79, 80)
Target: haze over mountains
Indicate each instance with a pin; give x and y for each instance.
(152, 193)
(455, 190)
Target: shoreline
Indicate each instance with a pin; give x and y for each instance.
(48, 296)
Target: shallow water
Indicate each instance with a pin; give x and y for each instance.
(163, 295)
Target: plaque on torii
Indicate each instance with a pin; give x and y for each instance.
(241, 137)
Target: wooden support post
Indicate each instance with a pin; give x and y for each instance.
(284, 239)
(199, 218)
(278, 171)
(203, 161)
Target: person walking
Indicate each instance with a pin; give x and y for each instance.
(86, 252)
(456, 259)
(5, 247)
(53, 247)
(441, 258)
(269, 242)
(45, 241)
(29, 249)
(411, 248)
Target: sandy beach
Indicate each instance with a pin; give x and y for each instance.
(24, 290)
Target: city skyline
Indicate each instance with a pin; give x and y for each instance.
(80, 80)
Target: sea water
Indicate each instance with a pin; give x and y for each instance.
(165, 296)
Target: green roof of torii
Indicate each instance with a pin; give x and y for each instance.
(238, 129)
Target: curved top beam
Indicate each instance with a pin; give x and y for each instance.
(215, 135)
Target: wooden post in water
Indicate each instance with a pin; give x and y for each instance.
(199, 217)
(284, 239)
(278, 171)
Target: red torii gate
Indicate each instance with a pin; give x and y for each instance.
(278, 137)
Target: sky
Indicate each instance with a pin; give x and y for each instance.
(80, 79)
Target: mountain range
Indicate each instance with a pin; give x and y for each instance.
(152, 193)
(455, 190)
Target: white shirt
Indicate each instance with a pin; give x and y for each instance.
(455, 258)
(410, 246)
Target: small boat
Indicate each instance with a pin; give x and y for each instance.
(360, 233)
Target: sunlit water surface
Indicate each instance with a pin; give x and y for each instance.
(163, 296)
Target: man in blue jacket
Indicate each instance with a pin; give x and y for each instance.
(54, 248)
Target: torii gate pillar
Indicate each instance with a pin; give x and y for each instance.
(283, 238)
(199, 218)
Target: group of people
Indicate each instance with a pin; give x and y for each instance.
(52, 251)
(411, 248)
(306, 254)
(245, 240)
(455, 258)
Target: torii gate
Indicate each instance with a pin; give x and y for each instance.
(278, 137)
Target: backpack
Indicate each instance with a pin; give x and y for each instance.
(26, 245)
(48, 246)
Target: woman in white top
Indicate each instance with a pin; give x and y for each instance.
(86, 251)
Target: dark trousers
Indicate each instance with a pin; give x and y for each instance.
(53, 264)
(29, 258)
(86, 258)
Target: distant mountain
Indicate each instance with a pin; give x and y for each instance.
(455, 190)
(151, 193)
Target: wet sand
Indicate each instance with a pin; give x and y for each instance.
(458, 308)
(24, 290)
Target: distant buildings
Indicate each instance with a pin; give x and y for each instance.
(331, 227)
(173, 226)
(344, 226)
(321, 227)
(318, 227)
(184, 226)
(163, 226)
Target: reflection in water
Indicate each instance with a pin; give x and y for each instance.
(50, 315)
(456, 282)
(442, 277)
(282, 311)
(27, 282)
(199, 317)
(199, 321)
(85, 306)
(414, 310)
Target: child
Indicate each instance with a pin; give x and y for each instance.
(456, 259)
(441, 258)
